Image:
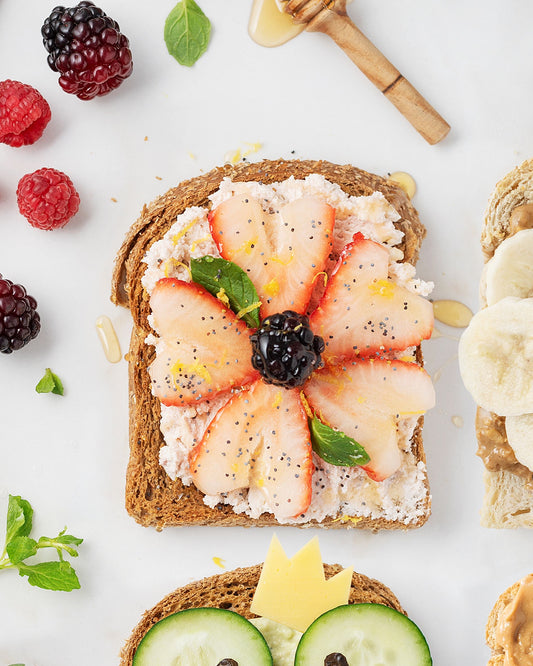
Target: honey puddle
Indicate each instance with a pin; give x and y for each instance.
(108, 338)
(270, 26)
(452, 313)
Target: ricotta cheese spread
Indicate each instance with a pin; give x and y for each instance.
(345, 493)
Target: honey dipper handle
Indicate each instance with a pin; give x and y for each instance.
(382, 73)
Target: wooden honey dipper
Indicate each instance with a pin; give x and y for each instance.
(330, 17)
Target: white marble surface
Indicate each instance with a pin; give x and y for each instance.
(68, 455)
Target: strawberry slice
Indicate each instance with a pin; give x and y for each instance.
(282, 252)
(365, 399)
(259, 440)
(204, 349)
(363, 312)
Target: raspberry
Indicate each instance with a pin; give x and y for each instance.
(88, 50)
(285, 350)
(47, 198)
(24, 113)
(19, 320)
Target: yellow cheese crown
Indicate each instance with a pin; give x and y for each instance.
(295, 591)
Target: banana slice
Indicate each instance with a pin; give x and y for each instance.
(496, 357)
(519, 431)
(510, 271)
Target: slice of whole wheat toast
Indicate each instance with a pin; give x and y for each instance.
(508, 500)
(234, 591)
(152, 497)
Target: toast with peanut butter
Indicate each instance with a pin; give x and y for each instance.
(510, 624)
(504, 403)
(234, 590)
(185, 231)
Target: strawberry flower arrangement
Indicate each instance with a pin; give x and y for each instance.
(300, 356)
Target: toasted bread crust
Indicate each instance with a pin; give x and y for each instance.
(152, 498)
(508, 500)
(234, 591)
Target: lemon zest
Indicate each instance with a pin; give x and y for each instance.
(219, 562)
(306, 405)
(325, 277)
(196, 368)
(277, 400)
(247, 309)
(384, 288)
(271, 288)
(197, 242)
(223, 297)
(171, 262)
(176, 238)
(345, 518)
(252, 148)
(283, 262)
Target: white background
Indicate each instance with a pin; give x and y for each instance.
(68, 455)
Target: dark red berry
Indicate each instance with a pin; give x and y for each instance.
(285, 350)
(47, 198)
(24, 113)
(88, 50)
(19, 320)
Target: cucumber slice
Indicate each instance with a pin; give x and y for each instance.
(367, 635)
(203, 637)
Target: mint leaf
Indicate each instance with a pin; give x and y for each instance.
(61, 542)
(50, 383)
(51, 575)
(225, 279)
(19, 518)
(335, 447)
(187, 32)
(20, 548)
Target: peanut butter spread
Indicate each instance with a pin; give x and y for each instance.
(521, 218)
(514, 631)
(493, 447)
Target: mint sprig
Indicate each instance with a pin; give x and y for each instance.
(227, 281)
(50, 383)
(19, 546)
(335, 447)
(187, 32)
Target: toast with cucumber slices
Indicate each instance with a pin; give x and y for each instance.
(275, 368)
(207, 623)
(494, 356)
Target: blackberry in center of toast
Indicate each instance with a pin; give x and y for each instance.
(285, 350)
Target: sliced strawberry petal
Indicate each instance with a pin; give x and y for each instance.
(282, 252)
(204, 350)
(259, 440)
(363, 312)
(364, 399)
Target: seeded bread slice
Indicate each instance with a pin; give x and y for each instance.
(152, 498)
(508, 500)
(234, 591)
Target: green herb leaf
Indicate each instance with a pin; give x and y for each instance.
(225, 279)
(187, 32)
(51, 576)
(20, 548)
(50, 383)
(61, 542)
(19, 518)
(335, 447)
(17, 664)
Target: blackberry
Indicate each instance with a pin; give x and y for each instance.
(285, 349)
(87, 48)
(335, 659)
(19, 320)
